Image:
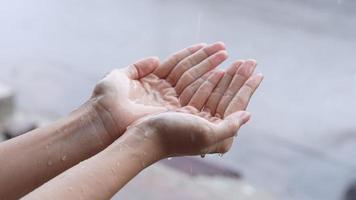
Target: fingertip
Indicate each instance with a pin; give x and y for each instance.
(252, 61)
(219, 73)
(196, 47)
(202, 44)
(155, 59)
(246, 116)
(220, 44)
(239, 117)
(222, 55)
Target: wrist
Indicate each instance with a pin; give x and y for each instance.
(141, 140)
(88, 119)
(107, 117)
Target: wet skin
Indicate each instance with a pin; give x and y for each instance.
(183, 106)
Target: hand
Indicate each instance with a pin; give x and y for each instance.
(187, 131)
(148, 87)
(233, 93)
(213, 112)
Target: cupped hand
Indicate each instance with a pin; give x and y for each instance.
(147, 87)
(188, 131)
(232, 93)
(212, 112)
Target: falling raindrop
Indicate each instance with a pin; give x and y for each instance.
(143, 164)
(198, 29)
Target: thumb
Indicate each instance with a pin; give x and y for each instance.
(142, 68)
(232, 123)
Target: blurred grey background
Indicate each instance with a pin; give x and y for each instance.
(301, 143)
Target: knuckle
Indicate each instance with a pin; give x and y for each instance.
(240, 100)
(185, 64)
(175, 58)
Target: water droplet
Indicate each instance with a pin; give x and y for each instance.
(128, 127)
(64, 158)
(143, 163)
(202, 155)
(118, 164)
(50, 163)
(170, 158)
(47, 146)
(220, 154)
(70, 188)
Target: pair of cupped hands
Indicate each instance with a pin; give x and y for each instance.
(184, 105)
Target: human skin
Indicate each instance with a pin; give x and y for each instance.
(183, 83)
(153, 138)
(193, 129)
(122, 97)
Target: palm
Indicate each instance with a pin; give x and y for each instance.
(147, 87)
(188, 131)
(151, 91)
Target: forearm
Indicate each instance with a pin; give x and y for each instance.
(101, 176)
(33, 158)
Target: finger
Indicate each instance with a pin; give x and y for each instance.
(193, 60)
(197, 71)
(189, 91)
(166, 67)
(220, 89)
(202, 94)
(142, 68)
(230, 127)
(242, 74)
(243, 96)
